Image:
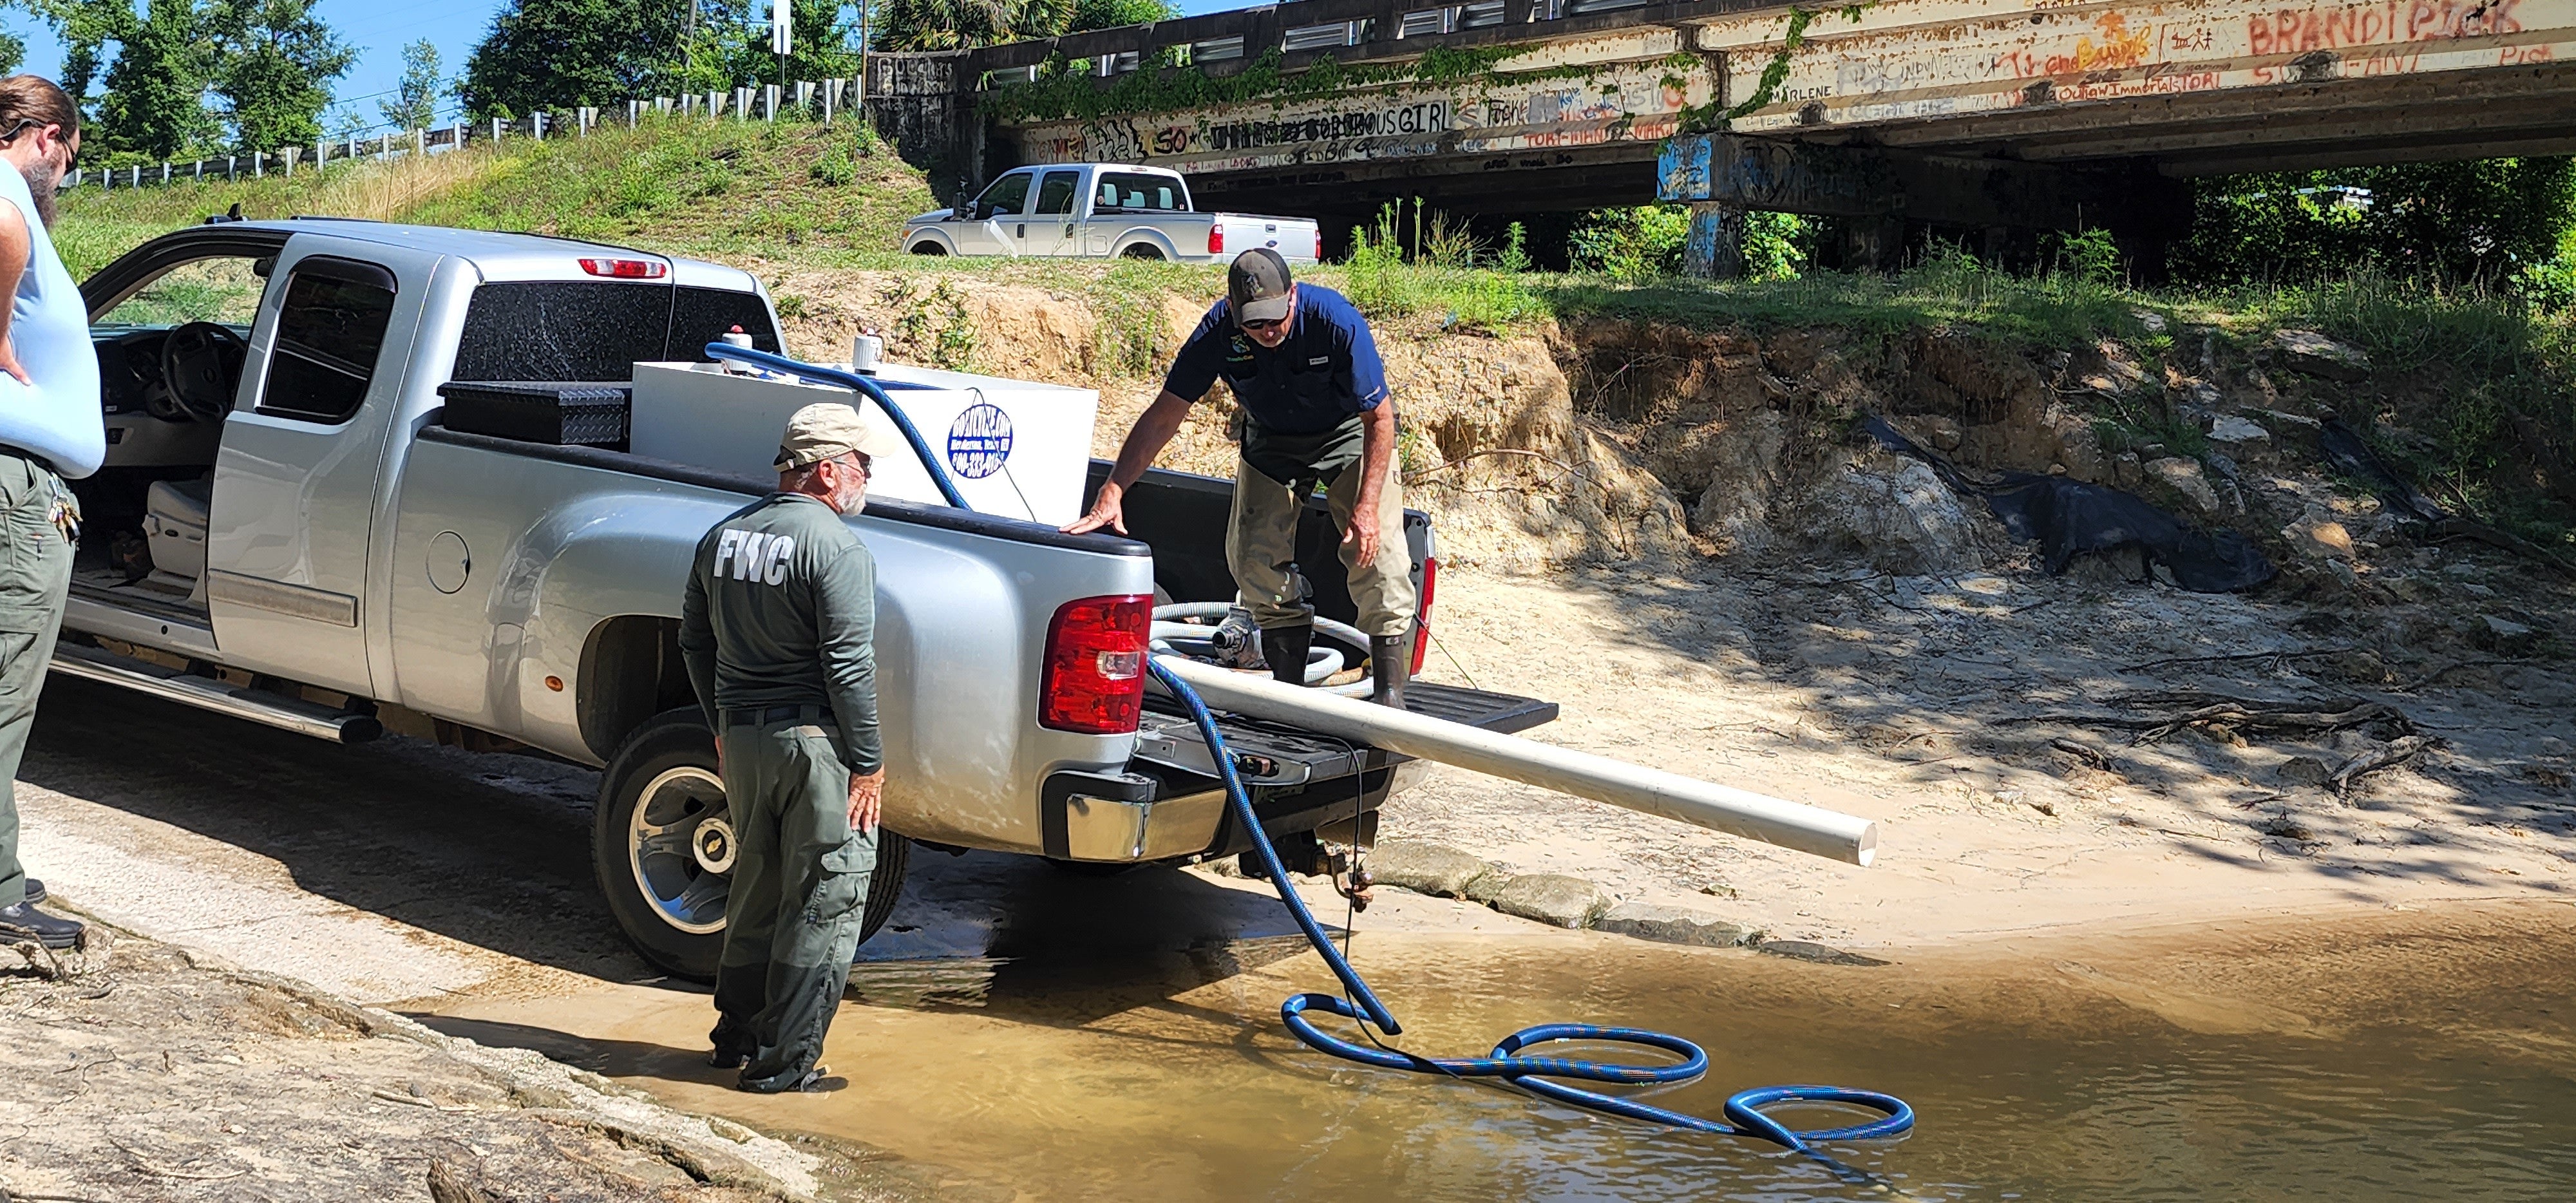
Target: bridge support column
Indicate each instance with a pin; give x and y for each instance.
(1715, 248)
(1873, 244)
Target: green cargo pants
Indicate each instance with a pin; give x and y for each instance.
(35, 577)
(800, 887)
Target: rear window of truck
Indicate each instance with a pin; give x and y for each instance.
(595, 330)
(1137, 192)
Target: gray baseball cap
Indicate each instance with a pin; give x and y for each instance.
(1258, 285)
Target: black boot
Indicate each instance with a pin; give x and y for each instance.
(1390, 666)
(1285, 649)
(25, 922)
(35, 890)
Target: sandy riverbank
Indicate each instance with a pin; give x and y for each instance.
(1991, 723)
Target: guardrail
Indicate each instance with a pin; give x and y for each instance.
(821, 100)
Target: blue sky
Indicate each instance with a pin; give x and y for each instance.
(380, 29)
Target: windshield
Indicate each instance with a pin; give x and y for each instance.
(1133, 191)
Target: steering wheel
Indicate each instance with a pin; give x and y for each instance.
(201, 366)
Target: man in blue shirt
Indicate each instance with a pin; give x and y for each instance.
(1304, 369)
(50, 427)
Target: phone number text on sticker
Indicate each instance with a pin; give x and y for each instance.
(979, 440)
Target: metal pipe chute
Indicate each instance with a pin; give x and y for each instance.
(1811, 829)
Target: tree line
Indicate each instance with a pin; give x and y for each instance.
(176, 79)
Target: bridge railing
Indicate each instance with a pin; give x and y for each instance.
(1304, 31)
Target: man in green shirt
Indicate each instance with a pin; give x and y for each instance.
(778, 630)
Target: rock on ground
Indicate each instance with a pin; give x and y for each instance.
(2238, 432)
(2184, 477)
(1674, 925)
(160, 1079)
(2318, 538)
(1435, 869)
(2313, 354)
(1552, 898)
(1895, 513)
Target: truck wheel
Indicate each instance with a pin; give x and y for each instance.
(928, 248)
(1142, 250)
(662, 845)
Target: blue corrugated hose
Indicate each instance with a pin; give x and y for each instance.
(855, 383)
(1744, 1115)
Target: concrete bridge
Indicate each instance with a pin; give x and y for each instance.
(1996, 118)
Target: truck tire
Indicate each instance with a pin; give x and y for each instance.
(1142, 250)
(928, 248)
(663, 849)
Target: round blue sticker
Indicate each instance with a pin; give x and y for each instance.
(979, 440)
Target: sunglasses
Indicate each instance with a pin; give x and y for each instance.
(1272, 324)
(26, 123)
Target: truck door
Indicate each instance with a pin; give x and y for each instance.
(298, 476)
(1051, 229)
(996, 217)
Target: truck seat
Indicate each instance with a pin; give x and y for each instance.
(175, 516)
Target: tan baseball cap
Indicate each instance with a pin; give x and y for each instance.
(826, 430)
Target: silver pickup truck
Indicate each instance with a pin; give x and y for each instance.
(290, 531)
(1102, 210)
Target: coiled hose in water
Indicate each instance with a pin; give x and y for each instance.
(1744, 1115)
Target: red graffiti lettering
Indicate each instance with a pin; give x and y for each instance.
(2297, 31)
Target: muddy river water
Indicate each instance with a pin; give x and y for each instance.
(2385, 1056)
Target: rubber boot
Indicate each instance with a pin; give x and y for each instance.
(1390, 666)
(1285, 649)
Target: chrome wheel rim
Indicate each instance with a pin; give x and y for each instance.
(680, 843)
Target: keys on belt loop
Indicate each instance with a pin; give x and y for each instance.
(66, 515)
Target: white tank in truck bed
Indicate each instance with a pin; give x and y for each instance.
(1016, 448)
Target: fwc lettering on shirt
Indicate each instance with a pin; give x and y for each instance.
(750, 555)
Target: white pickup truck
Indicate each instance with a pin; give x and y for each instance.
(301, 523)
(1102, 210)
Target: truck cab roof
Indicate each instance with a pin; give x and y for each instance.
(498, 255)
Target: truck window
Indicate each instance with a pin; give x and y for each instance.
(702, 315)
(1137, 191)
(595, 330)
(1056, 191)
(1005, 196)
(329, 329)
(224, 288)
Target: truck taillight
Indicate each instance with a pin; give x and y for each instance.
(1216, 238)
(1319, 244)
(1094, 681)
(1422, 612)
(627, 269)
